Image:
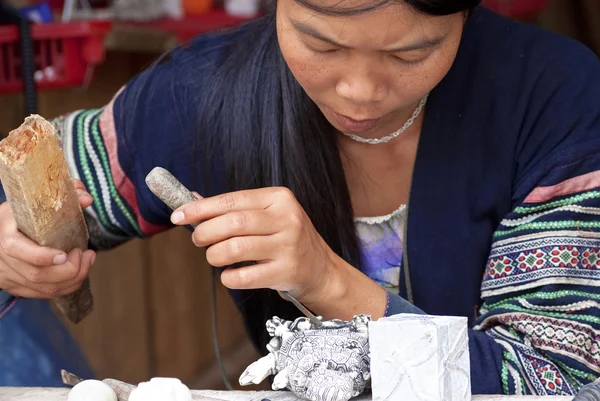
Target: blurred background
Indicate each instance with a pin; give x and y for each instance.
(152, 313)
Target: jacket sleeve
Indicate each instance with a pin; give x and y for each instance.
(539, 324)
(541, 287)
(102, 147)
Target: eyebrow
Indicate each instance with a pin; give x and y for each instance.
(419, 45)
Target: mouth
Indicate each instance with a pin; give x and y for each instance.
(348, 124)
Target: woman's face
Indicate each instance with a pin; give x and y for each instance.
(367, 72)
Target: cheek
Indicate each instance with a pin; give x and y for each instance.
(312, 75)
(441, 62)
(421, 79)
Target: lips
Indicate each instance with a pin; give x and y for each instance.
(351, 125)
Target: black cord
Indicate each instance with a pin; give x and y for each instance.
(215, 334)
(10, 15)
(28, 66)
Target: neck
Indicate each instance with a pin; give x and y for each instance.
(379, 177)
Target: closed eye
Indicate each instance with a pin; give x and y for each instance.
(320, 46)
(410, 59)
(324, 51)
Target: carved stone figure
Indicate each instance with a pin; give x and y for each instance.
(590, 392)
(329, 362)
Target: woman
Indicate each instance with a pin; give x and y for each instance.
(310, 130)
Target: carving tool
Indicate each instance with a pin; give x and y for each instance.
(174, 194)
(69, 378)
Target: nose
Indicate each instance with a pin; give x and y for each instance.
(361, 87)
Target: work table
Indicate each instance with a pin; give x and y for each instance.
(60, 394)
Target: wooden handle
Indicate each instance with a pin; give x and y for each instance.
(43, 199)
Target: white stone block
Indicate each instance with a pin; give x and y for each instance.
(420, 358)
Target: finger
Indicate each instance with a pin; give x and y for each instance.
(79, 184)
(260, 275)
(85, 199)
(197, 195)
(241, 249)
(63, 275)
(70, 290)
(52, 290)
(47, 292)
(69, 287)
(234, 224)
(19, 247)
(208, 208)
(90, 257)
(9, 225)
(18, 290)
(87, 260)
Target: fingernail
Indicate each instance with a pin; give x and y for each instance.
(93, 258)
(177, 217)
(59, 259)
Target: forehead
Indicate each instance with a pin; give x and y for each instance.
(388, 24)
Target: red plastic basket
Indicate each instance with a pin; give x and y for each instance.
(63, 53)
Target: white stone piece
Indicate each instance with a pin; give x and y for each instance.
(420, 358)
(161, 389)
(91, 390)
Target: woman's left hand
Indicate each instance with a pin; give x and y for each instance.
(267, 226)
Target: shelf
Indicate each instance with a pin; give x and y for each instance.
(161, 35)
(73, 29)
(190, 27)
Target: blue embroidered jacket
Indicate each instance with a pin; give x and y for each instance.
(502, 219)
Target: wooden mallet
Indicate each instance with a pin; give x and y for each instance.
(42, 197)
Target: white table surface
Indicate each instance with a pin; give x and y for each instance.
(60, 394)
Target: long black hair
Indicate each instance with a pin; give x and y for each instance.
(258, 122)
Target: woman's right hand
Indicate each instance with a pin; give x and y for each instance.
(33, 271)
